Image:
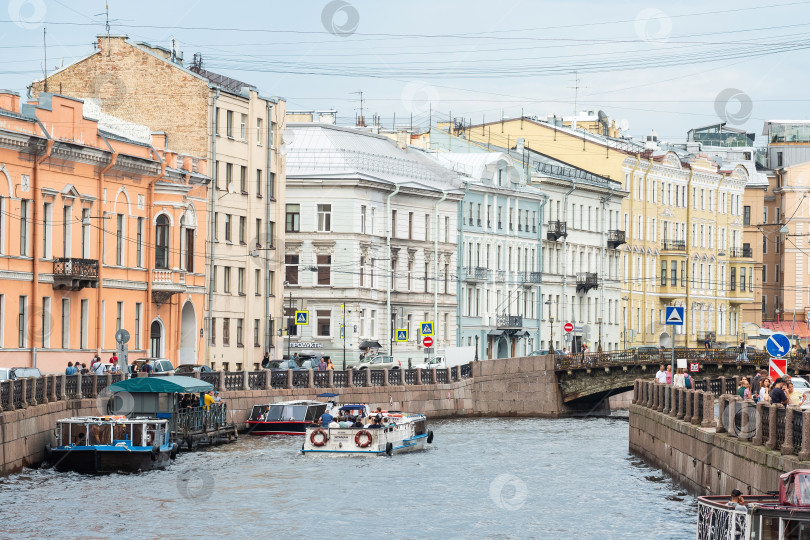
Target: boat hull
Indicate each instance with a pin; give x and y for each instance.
(383, 442)
(277, 428)
(93, 460)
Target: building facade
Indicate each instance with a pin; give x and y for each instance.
(371, 244)
(239, 131)
(98, 232)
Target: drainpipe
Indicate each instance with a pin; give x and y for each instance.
(604, 201)
(34, 265)
(101, 232)
(150, 259)
(630, 225)
(211, 231)
(540, 268)
(565, 257)
(390, 269)
(436, 264)
(686, 240)
(268, 240)
(460, 265)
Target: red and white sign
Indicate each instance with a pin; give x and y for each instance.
(694, 367)
(568, 327)
(427, 341)
(778, 368)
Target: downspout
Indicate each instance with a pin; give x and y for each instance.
(436, 264)
(628, 322)
(34, 265)
(686, 240)
(460, 265)
(646, 265)
(150, 260)
(390, 271)
(211, 230)
(540, 268)
(268, 240)
(602, 265)
(565, 257)
(102, 231)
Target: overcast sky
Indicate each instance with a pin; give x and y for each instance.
(666, 66)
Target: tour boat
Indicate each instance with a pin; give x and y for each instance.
(400, 432)
(786, 515)
(285, 417)
(101, 444)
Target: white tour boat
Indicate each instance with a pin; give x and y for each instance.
(382, 433)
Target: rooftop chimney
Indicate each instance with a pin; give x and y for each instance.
(10, 101)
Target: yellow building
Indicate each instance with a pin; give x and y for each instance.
(682, 221)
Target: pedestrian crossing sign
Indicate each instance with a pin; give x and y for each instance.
(426, 328)
(401, 335)
(301, 317)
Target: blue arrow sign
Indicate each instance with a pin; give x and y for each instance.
(675, 315)
(778, 345)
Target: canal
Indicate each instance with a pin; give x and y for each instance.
(503, 478)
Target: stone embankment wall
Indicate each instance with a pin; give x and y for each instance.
(747, 446)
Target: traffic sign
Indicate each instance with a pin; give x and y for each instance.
(778, 345)
(301, 317)
(401, 334)
(122, 336)
(674, 315)
(568, 327)
(428, 341)
(694, 367)
(778, 368)
(426, 328)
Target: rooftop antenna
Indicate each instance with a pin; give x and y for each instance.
(45, 53)
(361, 121)
(576, 88)
(106, 24)
(174, 52)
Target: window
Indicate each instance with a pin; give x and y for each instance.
(323, 322)
(226, 279)
(258, 182)
(226, 331)
(119, 239)
(243, 179)
(45, 322)
(138, 310)
(447, 229)
(293, 218)
(228, 220)
(764, 244)
(271, 234)
(764, 273)
(746, 215)
(259, 131)
(324, 217)
(229, 123)
(84, 321)
(139, 244)
(742, 278)
(410, 225)
(778, 243)
(733, 279)
(257, 287)
(776, 274)
(324, 269)
(291, 269)
(410, 275)
(22, 322)
(242, 229)
(240, 281)
(162, 242)
(362, 271)
(674, 278)
(214, 279)
(85, 233)
(271, 185)
(393, 223)
(663, 272)
(239, 332)
(216, 226)
(228, 175)
(213, 327)
(362, 219)
(371, 222)
(243, 128)
(66, 225)
(256, 342)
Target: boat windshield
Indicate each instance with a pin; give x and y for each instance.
(287, 412)
(797, 490)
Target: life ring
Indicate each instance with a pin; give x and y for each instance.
(430, 437)
(360, 433)
(389, 449)
(320, 442)
(154, 453)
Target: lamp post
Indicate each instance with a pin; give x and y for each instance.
(550, 327)
(292, 314)
(599, 344)
(624, 332)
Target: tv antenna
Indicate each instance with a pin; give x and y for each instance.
(576, 88)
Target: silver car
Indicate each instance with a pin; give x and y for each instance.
(379, 362)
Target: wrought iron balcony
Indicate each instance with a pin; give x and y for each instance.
(556, 230)
(477, 273)
(509, 321)
(673, 245)
(587, 281)
(72, 274)
(743, 252)
(615, 238)
(529, 278)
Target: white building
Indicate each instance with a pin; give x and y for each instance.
(372, 226)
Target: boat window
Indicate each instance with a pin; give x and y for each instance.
(78, 434)
(274, 413)
(794, 529)
(58, 433)
(419, 427)
(314, 412)
(150, 434)
(294, 412)
(99, 434)
(137, 434)
(121, 432)
(804, 489)
(258, 412)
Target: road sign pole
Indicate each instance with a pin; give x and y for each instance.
(672, 337)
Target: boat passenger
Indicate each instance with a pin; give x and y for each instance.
(375, 424)
(208, 399)
(217, 399)
(737, 502)
(325, 419)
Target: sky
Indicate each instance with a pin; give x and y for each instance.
(667, 66)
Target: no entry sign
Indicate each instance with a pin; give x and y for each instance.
(568, 327)
(427, 341)
(778, 368)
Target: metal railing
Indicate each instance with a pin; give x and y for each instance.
(766, 425)
(377, 377)
(654, 355)
(466, 371)
(744, 252)
(556, 229)
(210, 377)
(410, 376)
(195, 419)
(300, 379)
(615, 238)
(257, 379)
(233, 380)
(321, 379)
(509, 321)
(395, 377)
(530, 277)
(780, 426)
(673, 245)
(442, 376)
(75, 268)
(427, 376)
(359, 378)
(477, 272)
(798, 423)
(340, 379)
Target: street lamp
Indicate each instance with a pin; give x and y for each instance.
(292, 314)
(599, 344)
(624, 333)
(550, 327)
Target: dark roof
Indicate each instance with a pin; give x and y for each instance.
(169, 384)
(222, 81)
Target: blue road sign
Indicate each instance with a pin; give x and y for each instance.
(401, 334)
(778, 345)
(302, 317)
(675, 315)
(427, 328)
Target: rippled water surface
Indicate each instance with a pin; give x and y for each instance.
(512, 478)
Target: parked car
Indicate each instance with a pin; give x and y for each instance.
(186, 369)
(647, 353)
(160, 366)
(284, 365)
(539, 353)
(379, 362)
(19, 373)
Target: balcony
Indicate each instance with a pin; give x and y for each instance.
(527, 279)
(587, 281)
(737, 293)
(477, 273)
(166, 283)
(71, 274)
(507, 322)
(673, 245)
(556, 230)
(741, 253)
(615, 239)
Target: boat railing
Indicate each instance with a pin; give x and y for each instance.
(196, 419)
(721, 522)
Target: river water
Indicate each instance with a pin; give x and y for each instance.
(494, 478)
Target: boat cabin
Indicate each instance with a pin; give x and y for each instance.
(288, 411)
(110, 431)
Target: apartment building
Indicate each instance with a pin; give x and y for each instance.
(100, 229)
(238, 130)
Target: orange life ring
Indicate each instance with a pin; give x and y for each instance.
(321, 441)
(357, 438)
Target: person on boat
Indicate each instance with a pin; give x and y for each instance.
(208, 399)
(325, 419)
(185, 402)
(377, 423)
(266, 361)
(661, 375)
(358, 422)
(70, 370)
(737, 502)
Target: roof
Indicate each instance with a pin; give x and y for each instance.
(787, 328)
(171, 384)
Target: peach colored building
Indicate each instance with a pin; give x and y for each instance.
(98, 231)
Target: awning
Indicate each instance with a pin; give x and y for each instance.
(171, 384)
(370, 345)
(328, 394)
(495, 333)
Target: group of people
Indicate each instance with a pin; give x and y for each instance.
(681, 378)
(375, 421)
(96, 366)
(189, 401)
(762, 388)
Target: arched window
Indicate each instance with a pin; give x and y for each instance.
(155, 340)
(162, 242)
